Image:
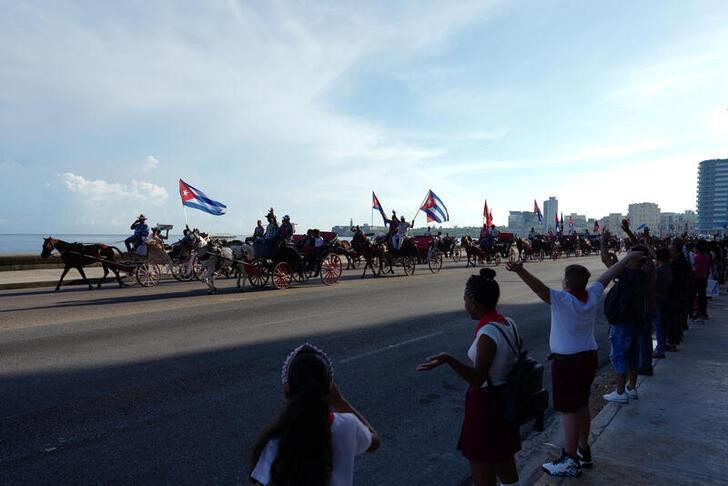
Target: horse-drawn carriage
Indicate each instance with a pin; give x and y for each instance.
(144, 265)
(428, 252)
(285, 264)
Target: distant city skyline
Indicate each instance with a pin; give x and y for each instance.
(308, 107)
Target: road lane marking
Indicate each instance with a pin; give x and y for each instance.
(390, 347)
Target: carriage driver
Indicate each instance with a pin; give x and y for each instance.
(141, 231)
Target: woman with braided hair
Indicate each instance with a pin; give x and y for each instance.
(319, 433)
(486, 440)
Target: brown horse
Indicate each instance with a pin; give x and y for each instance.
(78, 255)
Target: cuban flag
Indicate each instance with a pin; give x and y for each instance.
(434, 208)
(642, 226)
(537, 210)
(378, 206)
(194, 198)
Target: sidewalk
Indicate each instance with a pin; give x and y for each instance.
(46, 277)
(677, 432)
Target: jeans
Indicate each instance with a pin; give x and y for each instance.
(133, 240)
(645, 343)
(660, 330)
(624, 340)
(701, 286)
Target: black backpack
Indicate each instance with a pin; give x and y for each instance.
(625, 301)
(523, 397)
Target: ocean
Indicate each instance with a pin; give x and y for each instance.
(33, 243)
(24, 244)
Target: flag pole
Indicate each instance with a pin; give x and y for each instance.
(419, 208)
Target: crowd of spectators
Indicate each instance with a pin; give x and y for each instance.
(661, 286)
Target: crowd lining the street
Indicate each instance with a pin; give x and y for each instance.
(660, 286)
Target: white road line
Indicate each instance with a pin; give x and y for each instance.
(388, 348)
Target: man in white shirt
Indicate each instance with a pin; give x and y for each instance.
(573, 347)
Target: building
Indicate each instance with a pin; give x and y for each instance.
(672, 224)
(521, 222)
(613, 223)
(644, 215)
(550, 210)
(713, 195)
(579, 223)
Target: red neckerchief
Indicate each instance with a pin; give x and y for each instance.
(582, 295)
(331, 418)
(488, 317)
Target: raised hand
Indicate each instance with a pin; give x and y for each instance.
(433, 362)
(514, 266)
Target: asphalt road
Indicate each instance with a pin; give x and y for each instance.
(170, 385)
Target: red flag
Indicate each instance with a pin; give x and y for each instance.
(596, 226)
(487, 215)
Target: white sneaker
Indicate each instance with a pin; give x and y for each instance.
(632, 394)
(565, 466)
(617, 397)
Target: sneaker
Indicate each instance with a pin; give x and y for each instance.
(632, 394)
(565, 466)
(584, 456)
(615, 396)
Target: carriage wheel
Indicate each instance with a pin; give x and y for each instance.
(577, 252)
(375, 264)
(435, 262)
(457, 254)
(258, 275)
(497, 259)
(331, 269)
(282, 275)
(148, 274)
(408, 264)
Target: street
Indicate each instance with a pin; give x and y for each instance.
(171, 385)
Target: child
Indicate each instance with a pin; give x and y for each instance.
(574, 354)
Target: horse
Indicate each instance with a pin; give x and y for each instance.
(362, 245)
(78, 255)
(474, 253)
(216, 257)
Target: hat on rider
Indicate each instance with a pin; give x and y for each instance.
(286, 218)
(142, 217)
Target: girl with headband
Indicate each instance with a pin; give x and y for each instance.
(486, 440)
(319, 433)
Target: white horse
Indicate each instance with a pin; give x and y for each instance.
(216, 258)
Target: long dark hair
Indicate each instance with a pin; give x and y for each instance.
(303, 429)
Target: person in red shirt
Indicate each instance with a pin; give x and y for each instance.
(701, 270)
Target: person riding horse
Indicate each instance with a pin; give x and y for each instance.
(141, 232)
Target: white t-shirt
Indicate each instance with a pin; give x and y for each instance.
(572, 321)
(349, 438)
(504, 359)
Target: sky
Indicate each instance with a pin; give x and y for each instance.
(308, 107)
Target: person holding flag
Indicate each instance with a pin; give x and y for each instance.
(537, 211)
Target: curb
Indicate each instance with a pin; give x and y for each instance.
(598, 425)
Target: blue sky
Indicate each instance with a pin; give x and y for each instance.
(309, 106)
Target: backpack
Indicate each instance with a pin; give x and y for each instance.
(523, 397)
(625, 301)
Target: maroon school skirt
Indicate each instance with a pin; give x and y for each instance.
(485, 436)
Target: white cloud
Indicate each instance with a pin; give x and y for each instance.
(101, 190)
(150, 163)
